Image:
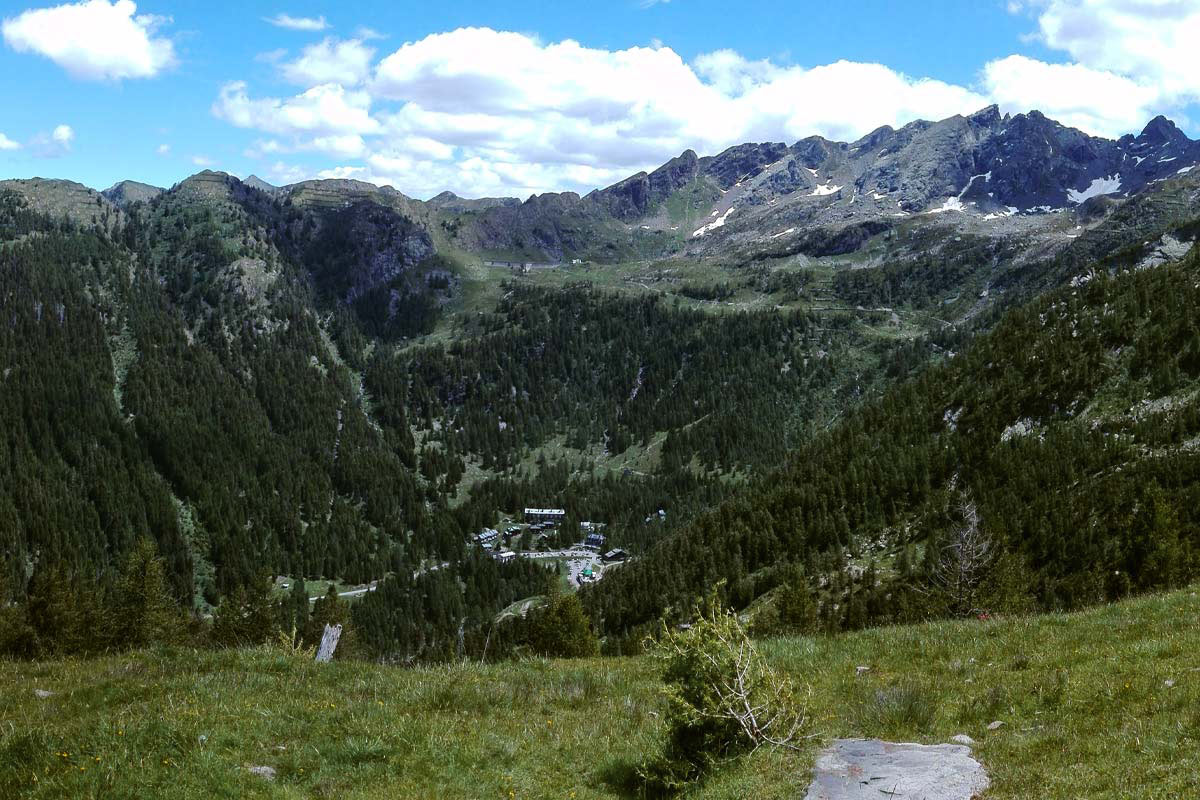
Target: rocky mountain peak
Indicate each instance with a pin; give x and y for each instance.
(256, 182)
(987, 117)
(126, 192)
(1161, 130)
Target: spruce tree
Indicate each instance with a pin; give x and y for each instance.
(142, 611)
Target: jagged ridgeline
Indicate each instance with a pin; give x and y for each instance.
(1073, 427)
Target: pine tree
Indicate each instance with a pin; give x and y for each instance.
(562, 630)
(299, 609)
(247, 615)
(142, 611)
(797, 606)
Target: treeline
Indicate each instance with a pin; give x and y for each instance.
(427, 618)
(1070, 426)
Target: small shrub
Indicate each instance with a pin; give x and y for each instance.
(722, 700)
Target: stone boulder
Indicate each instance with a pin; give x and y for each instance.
(858, 769)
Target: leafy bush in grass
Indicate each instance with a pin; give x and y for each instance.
(722, 701)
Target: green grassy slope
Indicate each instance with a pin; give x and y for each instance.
(1099, 704)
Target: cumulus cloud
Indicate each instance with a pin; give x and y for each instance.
(481, 111)
(331, 61)
(203, 161)
(163, 149)
(53, 144)
(283, 20)
(1130, 59)
(545, 115)
(1152, 41)
(7, 143)
(94, 40)
(1092, 100)
(325, 110)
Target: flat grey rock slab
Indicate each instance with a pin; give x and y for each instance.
(870, 769)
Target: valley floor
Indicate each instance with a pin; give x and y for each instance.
(1102, 704)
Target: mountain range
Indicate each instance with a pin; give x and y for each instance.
(328, 379)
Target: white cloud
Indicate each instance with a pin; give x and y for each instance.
(163, 149)
(331, 61)
(203, 161)
(297, 23)
(94, 40)
(1131, 59)
(324, 110)
(731, 73)
(283, 174)
(561, 115)
(1150, 41)
(481, 111)
(7, 143)
(53, 144)
(1096, 101)
(355, 173)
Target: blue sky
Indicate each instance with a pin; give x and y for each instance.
(520, 97)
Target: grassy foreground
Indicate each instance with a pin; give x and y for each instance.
(1103, 704)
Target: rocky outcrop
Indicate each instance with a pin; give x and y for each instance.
(638, 194)
(742, 162)
(58, 198)
(363, 246)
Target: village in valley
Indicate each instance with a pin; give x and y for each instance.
(581, 555)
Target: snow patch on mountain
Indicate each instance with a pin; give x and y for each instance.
(951, 204)
(1107, 185)
(716, 223)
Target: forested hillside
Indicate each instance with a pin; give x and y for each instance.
(313, 387)
(232, 375)
(1072, 432)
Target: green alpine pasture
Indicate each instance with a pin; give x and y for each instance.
(1099, 704)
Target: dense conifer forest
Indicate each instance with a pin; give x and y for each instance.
(1071, 429)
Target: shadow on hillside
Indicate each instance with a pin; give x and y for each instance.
(622, 778)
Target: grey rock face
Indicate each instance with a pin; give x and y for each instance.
(126, 192)
(639, 193)
(255, 182)
(862, 769)
(741, 162)
(369, 246)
